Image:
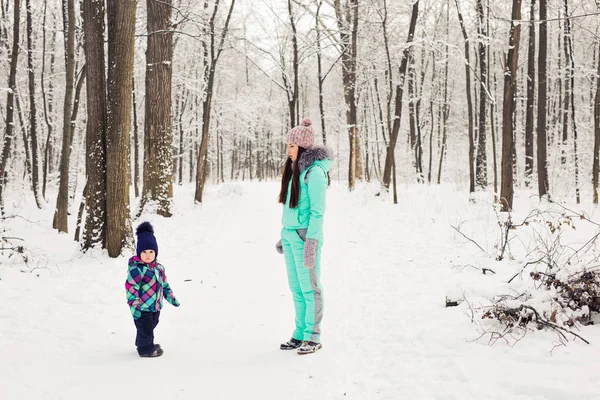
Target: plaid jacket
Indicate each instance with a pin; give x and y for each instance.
(146, 286)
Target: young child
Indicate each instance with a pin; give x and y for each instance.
(146, 286)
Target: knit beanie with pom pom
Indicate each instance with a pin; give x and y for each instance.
(302, 135)
(145, 238)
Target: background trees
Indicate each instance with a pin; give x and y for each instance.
(219, 83)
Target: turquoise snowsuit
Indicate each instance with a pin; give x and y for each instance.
(299, 224)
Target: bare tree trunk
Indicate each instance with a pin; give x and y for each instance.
(530, 98)
(48, 100)
(136, 142)
(434, 93)
(445, 106)
(95, 187)
(508, 109)
(493, 121)
(481, 162)
(3, 27)
(158, 130)
(23, 126)
(389, 73)
(293, 96)
(10, 99)
(566, 94)
(347, 19)
(572, 98)
(320, 76)
(389, 158)
(35, 153)
(121, 35)
(216, 50)
(596, 165)
(412, 129)
(182, 107)
(542, 162)
(469, 102)
(62, 202)
(220, 156)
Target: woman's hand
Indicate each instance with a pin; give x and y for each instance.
(310, 253)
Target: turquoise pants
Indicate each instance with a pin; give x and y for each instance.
(305, 284)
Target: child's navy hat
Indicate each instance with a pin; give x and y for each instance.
(146, 239)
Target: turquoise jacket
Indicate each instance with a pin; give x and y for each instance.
(315, 163)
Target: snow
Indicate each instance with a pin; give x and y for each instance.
(66, 331)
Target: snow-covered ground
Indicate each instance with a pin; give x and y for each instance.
(66, 332)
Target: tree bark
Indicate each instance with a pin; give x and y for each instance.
(596, 165)
(389, 158)
(469, 101)
(347, 20)
(136, 142)
(33, 132)
(481, 160)
(445, 106)
(95, 199)
(542, 158)
(62, 202)
(571, 77)
(293, 96)
(530, 98)
(48, 98)
(508, 109)
(215, 50)
(121, 35)
(158, 130)
(10, 101)
(320, 76)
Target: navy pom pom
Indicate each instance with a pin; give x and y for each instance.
(144, 227)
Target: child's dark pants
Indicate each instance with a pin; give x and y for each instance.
(145, 324)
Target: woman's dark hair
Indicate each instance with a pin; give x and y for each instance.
(291, 171)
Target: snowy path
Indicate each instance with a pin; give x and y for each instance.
(386, 332)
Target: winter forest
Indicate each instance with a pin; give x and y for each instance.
(126, 99)
(462, 214)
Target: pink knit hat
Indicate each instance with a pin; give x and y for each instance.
(302, 135)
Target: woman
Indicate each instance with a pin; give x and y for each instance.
(303, 188)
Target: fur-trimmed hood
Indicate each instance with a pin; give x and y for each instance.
(320, 154)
